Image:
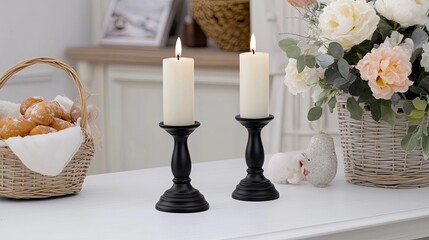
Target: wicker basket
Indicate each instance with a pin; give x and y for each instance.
(373, 155)
(17, 181)
(227, 22)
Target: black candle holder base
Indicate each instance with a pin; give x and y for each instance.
(255, 187)
(181, 197)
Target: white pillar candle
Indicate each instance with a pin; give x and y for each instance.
(178, 89)
(254, 83)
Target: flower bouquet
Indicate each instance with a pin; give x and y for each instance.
(372, 59)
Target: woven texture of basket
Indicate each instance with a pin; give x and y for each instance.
(373, 155)
(226, 22)
(19, 182)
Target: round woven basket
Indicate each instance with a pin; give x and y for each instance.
(373, 155)
(226, 22)
(17, 181)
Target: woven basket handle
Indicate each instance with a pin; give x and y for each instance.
(58, 64)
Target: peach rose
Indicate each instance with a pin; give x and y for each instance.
(386, 69)
(301, 3)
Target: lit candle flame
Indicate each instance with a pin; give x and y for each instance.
(178, 48)
(253, 44)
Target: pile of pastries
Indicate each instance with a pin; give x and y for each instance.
(37, 117)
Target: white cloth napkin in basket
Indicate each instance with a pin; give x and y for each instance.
(47, 154)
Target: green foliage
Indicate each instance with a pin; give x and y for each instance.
(387, 113)
(355, 110)
(315, 113)
(289, 46)
(325, 60)
(336, 50)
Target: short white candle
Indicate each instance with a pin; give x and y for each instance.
(178, 89)
(254, 83)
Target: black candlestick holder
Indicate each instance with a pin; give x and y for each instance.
(255, 187)
(181, 197)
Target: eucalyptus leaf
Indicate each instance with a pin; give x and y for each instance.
(344, 68)
(417, 90)
(310, 61)
(375, 108)
(407, 107)
(419, 104)
(356, 88)
(315, 113)
(395, 99)
(293, 51)
(424, 83)
(409, 142)
(285, 43)
(384, 27)
(425, 144)
(331, 75)
(325, 60)
(300, 63)
(413, 128)
(416, 116)
(355, 110)
(419, 38)
(418, 52)
(387, 113)
(336, 50)
(340, 82)
(332, 103)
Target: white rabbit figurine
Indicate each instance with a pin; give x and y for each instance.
(286, 168)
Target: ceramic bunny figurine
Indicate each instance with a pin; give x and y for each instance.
(320, 162)
(286, 168)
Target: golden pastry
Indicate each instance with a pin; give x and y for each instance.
(56, 108)
(60, 124)
(42, 113)
(28, 103)
(75, 112)
(14, 127)
(41, 130)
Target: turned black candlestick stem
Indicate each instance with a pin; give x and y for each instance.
(181, 197)
(255, 187)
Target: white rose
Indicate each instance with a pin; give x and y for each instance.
(405, 12)
(301, 82)
(348, 22)
(425, 57)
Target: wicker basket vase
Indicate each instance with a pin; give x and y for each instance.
(226, 22)
(373, 155)
(17, 181)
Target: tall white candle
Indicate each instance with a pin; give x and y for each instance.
(254, 83)
(178, 89)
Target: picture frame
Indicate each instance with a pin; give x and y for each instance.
(138, 23)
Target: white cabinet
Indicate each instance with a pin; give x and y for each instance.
(129, 98)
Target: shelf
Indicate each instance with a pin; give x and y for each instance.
(204, 57)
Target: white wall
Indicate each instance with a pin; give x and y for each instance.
(41, 28)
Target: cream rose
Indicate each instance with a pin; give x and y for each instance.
(348, 22)
(405, 12)
(301, 82)
(387, 67)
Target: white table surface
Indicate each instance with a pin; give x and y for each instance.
(122, 206)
